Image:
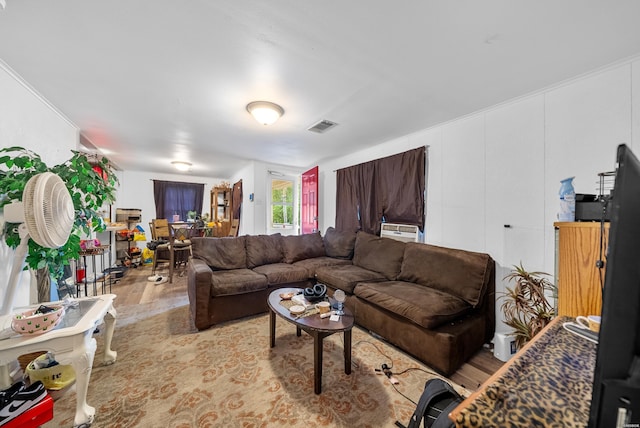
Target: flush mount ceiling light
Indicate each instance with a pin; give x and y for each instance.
(181, 165)
(265, 112)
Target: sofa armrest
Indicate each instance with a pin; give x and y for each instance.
(199, 290)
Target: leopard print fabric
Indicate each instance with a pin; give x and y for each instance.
(548, 386)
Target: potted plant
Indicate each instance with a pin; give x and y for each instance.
(91, 182)
(525, 306)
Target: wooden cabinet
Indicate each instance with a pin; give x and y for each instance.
(578, 278)
(221, 208)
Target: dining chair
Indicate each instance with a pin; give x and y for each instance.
(180, 245)
(162, 253)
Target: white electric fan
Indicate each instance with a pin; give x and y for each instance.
(46, 215)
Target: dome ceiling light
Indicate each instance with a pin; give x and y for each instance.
(181, 165)
(265, 112)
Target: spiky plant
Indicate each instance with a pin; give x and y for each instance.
(525, 306)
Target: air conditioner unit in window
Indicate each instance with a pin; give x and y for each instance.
(400, 232)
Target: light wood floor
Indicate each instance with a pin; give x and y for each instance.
(134, 289)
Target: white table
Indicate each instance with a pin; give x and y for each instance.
(72, 343)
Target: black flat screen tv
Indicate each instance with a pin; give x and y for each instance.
(615, 400)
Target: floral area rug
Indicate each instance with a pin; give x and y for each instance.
(170, 375)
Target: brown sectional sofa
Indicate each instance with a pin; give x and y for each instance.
(435, 303)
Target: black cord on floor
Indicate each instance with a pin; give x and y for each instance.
(430, 372)
(386, 369)
(390, 365)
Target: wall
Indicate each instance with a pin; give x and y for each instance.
(28, 120)
(248, 211)
(494, 175)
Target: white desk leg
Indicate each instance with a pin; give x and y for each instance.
(110, 324)
(82, 361)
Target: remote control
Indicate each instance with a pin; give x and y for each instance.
(582, 332)
(326, 314)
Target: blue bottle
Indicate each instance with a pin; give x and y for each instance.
(567, 200)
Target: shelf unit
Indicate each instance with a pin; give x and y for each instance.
(126, 249)
(99, 260)
(221, 209)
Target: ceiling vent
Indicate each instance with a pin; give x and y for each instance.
(322, 126)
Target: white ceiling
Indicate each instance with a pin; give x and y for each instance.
(152, 81)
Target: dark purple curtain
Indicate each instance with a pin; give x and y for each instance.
(347, 204)
(174, 197)
(403, 187)
(389, 189)
(357, 199)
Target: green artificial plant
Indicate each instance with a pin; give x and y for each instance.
(89, 191)
(525, 306)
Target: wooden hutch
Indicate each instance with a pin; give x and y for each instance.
(221, 210)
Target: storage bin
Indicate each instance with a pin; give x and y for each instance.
(133, 215)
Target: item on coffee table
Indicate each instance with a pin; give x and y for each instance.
(340, 297)
(315, 293)
(328, 314)
(297, 309)
(287, 296)
(323, 307)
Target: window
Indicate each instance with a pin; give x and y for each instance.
(281, 203)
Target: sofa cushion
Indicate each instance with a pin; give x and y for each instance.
(339, 244)
(236, 281)
(220, 253)
(300, 247)
(282, 273)
(345, 277)
(263, 249)
(426, 307)
(382, 255)
(312, 265)
(458, 272)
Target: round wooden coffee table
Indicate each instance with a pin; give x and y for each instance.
(316, 327)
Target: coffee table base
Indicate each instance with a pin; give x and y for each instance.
(318, 338)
